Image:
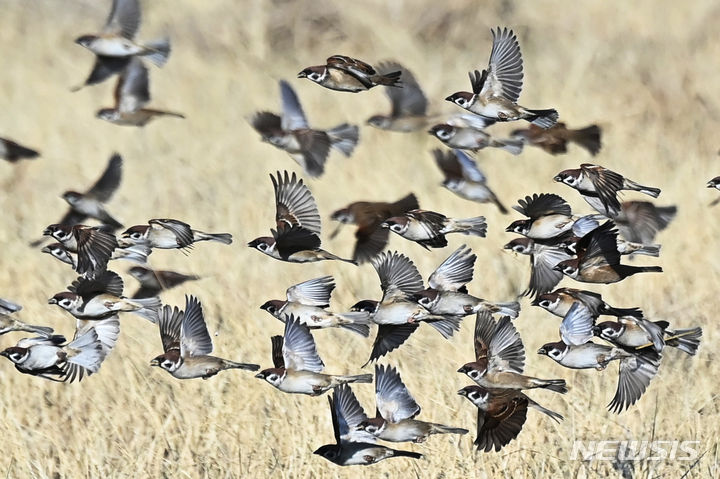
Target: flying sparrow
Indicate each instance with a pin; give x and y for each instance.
(308, 302)
(409, 104)
(599, 187)
(549, 216)
(135, 253)
(114, 47)
(93, 245)
(464, 178)
(640, 221)
(352, 448)
(559, 302)
(9, 323)
(297, 366)
(153, 282)
(132, 94)
(343, 73)
(500, 358)
(496, 90)
(544, 255)
(637, 332)
(292, 133)
(554, 140)
(370, 237)
(13, 152)
(428, 228)
(187, 344)
(101, 298)
(297, 238)
(501, 415)
(459, 136)
(396, 409)
(170, 234)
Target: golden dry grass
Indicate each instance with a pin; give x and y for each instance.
(646, 71)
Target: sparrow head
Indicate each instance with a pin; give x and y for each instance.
(442, 132)
(365, 306)
(86, 40)
(344, 216)
(136, 234)
(463, 99)
(569, 177)
(477, 395)
(473, 370)
(58, 251)
(169, 361)
(372, 426)
(108, 114)
(316, 74)
(59, 232)
(453, 184)
(609, 330)
(379, 121)
(273, 306)
(264, 243)
(714, 183)
(331, 452)
(272, 375)
(427, 297)
(397, 224)
(521, 245)
(141, 274)
(569, 267)
(555, 351)
(569, 245)
(66, 300)
(547, 301)
(15, 354)
(72, 197)
(519, 226)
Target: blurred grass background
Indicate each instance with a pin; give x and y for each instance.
(645, 71)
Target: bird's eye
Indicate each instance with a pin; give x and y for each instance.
(460, 102)
(331, 454)
(136, 236)
(544, 303)
(262, 247)
(443, 134)
(569, 180)
(273, 377)
(397, 228)
(474, 374)
(554, 353)
(65, 303)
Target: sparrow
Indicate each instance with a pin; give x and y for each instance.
(397, 313)
(549, 216)
(599, 187)
(428, 228)
(598, 260)
(135, 253)
(170, 234)
(187, 344)
(107, 331)
(544, 255)
(343, 73)
(9, 323)
(447, 292)
(152, 282)
(638, 332)
(351, 448)
(93, 245)
(496, 90)
(501, 415)
(132, 94)
(471, 138)
(297, 366)
(101, 298)
(636, 368)
(464, 178)
(91, 203)
(370, 237)
(559, 302)
(308, 302)
(14, 152)
(714, 183)
(640, 221)
(409, 104)
(292, 133)
(114, 47)
(554, 140)
(48, 358)
(396, 409)
(297, 238)
(500, 358)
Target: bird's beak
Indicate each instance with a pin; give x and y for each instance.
(710, 184)
(384, 225)
(508, 229)
(461, 370)
(558, 178)
(260, 376)
(302, 75)
(507, 246)
(542, 351)
(461, 392)
(154, 362)
(52, 301)
(47, 232)
(450, 98)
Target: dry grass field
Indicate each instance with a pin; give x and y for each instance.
(646, 71)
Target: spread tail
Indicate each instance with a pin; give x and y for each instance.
(648, 190)
(469, 226)
(588, 138)
(360, 378)
(555, 416)
(388, 79)
(555, 385)
(233, 365)
(514, 147)
(344, 138)
(158, 51)
(224, 238)
(686, 340)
